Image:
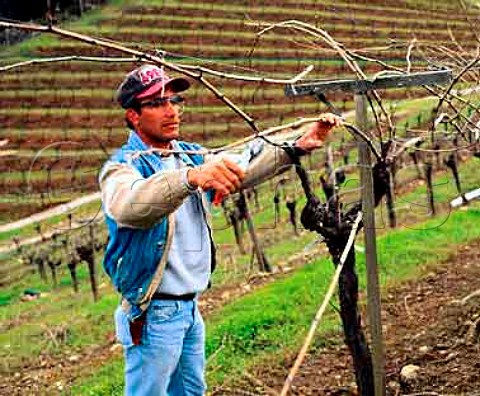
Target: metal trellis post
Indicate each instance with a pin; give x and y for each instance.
(360, 88)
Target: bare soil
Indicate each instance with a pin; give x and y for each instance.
(232, 51)
(264, 12)
(426, 324)
(337, 25)
(347, 37)
(194, 97)
(41, 377)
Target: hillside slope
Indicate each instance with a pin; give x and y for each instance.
(60, 119)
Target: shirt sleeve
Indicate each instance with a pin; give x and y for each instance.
(266, 162)
(138, 202)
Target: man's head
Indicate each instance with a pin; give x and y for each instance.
(152, 103)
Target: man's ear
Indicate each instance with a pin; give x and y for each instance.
(132, 116)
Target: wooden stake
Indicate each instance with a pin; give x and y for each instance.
(72, 262)
(368, 210)
(428, 178)
(322, 308)
(263, 264)
(91, 264)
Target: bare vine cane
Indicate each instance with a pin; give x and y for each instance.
(323, 35)
(321, 310)
(338, 229)
(197, 73)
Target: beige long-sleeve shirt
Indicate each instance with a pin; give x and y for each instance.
(138, 202)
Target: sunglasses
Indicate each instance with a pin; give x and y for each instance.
(176, 101)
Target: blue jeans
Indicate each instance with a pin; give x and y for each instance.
(171, 358)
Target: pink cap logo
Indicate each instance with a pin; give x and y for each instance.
(150, 73)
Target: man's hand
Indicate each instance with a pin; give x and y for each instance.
(221, 175)
(317, 134)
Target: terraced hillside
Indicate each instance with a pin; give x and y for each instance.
(59, 120)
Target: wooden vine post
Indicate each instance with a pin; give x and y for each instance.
(360, 88)
(72, 260)
(263, 264)
(368, 210)
(429, 179)
(234, 220)
(91, 263)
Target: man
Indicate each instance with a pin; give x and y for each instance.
(160, 252)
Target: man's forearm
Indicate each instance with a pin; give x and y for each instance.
(133, 201)
(271, 162)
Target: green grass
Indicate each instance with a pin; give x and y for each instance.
(119, 112)
(258, 327)
(65, 153)
(67, 76)
(250, 64)
(12, 293)
(28, 230)
(26, 47)
(85, 323)
(269, 340)
(275, 319)
(87, 211)
(135, 18)
(53, 174)
(200, 51)
(343, 31)
(286, 12)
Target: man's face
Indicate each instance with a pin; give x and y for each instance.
(159, 120)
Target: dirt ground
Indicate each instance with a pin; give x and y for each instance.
(426, 324)
(432, 323)
(49, 375)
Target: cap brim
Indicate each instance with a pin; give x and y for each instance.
(175, 84)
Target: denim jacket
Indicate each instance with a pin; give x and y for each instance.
(137, 238)
(132, 254)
